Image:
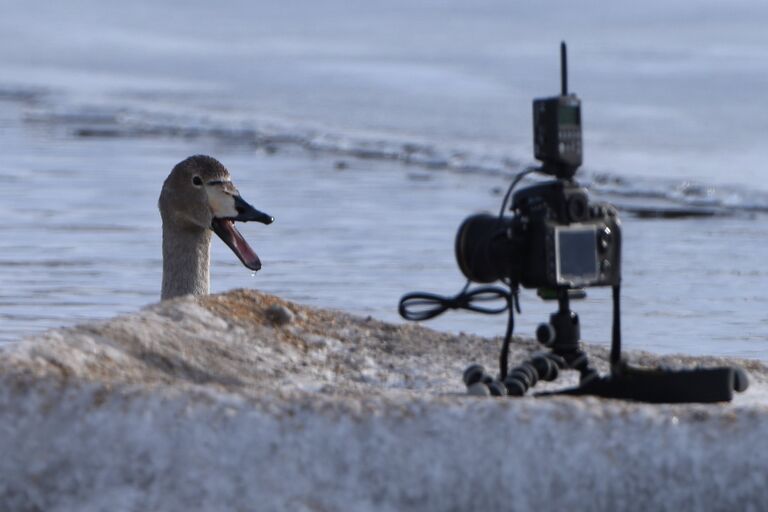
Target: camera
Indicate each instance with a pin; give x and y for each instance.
(555, 239)
(558, 241)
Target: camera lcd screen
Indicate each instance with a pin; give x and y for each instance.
(576, 255)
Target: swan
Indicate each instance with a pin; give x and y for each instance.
(198, 197)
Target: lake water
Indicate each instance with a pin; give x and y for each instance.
(370, 131)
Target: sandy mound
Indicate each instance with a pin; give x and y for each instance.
(244, 401)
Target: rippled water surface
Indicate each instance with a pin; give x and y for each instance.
(370, 136)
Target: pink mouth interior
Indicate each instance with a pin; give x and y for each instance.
(237, 243)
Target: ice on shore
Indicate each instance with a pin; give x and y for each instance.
(211, 404)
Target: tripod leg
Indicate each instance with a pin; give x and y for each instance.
(578, 360)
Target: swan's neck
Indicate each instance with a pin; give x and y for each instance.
(186, 255)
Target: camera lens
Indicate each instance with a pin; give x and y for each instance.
(476, 248)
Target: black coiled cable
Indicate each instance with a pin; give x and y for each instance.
(419, 306)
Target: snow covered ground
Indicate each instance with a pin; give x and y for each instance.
(221, 403)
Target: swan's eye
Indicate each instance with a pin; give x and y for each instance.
(196, 181)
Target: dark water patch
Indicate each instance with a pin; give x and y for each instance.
(98, 132)
(27, 95)
(86, 117)
(673, 213)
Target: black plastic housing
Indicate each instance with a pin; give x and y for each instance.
(556, 239)
(557, 134)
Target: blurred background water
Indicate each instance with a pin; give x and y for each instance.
(370, 130)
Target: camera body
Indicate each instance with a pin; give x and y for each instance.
(555, 239)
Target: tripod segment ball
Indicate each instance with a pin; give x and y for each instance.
(474, 373)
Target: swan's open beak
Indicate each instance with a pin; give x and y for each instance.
(224, 227)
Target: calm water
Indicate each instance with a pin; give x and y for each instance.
(97, 105)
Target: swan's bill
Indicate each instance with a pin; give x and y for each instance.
(246, 212)
(228, 208)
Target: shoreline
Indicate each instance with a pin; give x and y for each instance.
(168, 343)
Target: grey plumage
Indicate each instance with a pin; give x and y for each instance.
(198, 196)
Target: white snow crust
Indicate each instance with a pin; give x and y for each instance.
(205, 404)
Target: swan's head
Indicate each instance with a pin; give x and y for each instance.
(199, 194)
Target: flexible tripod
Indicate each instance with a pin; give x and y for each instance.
(562, 336)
